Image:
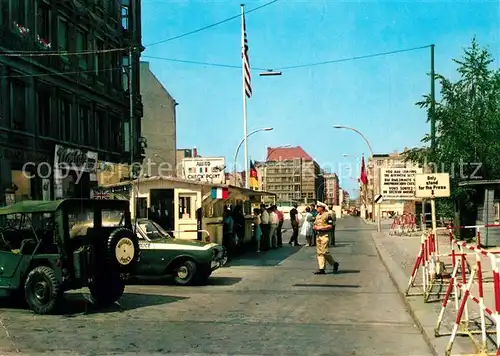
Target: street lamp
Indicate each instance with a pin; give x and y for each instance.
(239, 146)
(373, 180)
(270, 73)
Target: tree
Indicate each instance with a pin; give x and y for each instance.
(467, 124)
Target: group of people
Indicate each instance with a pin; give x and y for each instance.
(268, 227)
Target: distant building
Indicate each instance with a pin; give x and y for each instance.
(158, 125)
(292, 174)
(182, 153)
(331, 189)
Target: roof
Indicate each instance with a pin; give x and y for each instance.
(157, 178)
(50, 206)
(287, 153)
(31, 206)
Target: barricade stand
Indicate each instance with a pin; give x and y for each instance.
(434, 274)
(474, 280)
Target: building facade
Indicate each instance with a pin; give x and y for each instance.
(64, 94)
(292, 174)
(158, 125)
(182, 153)
(331, 191)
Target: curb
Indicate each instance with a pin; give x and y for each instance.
(423, 318)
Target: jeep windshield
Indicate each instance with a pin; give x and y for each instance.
(152, 230)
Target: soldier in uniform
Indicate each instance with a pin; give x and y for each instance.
(322, 229)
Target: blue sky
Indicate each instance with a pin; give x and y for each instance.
(374, 95)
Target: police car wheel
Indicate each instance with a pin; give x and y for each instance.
(185, 272)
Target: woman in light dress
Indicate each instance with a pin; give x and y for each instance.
(257, 230)
(307, 226)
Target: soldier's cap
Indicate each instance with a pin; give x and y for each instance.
(323, 205)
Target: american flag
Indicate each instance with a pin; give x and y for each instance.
(246, 63)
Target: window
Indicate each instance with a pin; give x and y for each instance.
(125, 71)
(99, 57)
(62, 35)
(117, 124)
(18, 105)
(43, 111)
(43, 21)
(125, 14)
(103, 130)
(18, 9)
(93, 130)
(81, 46)
(65, 119)
(185, 208)
(83, 113)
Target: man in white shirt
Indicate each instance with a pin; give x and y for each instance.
(275, 220)
(265, 227)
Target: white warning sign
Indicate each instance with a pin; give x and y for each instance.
(398, 183)
(435, 185)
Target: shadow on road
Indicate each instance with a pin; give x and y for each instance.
(264, 258)
(347, 271)
(328, 285)
(78, 303)
(169, 281)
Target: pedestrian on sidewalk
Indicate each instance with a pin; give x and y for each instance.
(294, 221)
(322, 229)
(228, 233)
(332, 220)
(257, 229)
(264, 218)
(274, 226)
(306, 229)
(279, 231)
(314, 213)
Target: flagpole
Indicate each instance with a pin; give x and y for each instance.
(245, 129)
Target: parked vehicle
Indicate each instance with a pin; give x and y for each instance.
(49, 247)
(188, 261)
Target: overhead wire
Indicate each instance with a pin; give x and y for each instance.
(211, 25)
(312, 64)
(57, 53)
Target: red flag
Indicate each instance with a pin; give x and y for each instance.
(363, 177)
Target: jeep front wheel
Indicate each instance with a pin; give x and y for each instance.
(107, 290)
(42, 290)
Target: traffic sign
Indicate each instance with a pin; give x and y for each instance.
(435, 185)
(378, 198)
(398, 183)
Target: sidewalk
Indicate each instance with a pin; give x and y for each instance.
(398, 255)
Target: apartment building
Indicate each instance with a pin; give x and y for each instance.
(182, 153)
(158, 125)
(331, 189)
(70, 108)
(292, 174)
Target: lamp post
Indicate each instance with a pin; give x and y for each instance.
(373, 178)
(238, 150)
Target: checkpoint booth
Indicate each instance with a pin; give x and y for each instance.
(187, 209)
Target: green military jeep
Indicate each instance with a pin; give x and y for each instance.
(49, 247)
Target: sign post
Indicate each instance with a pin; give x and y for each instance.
(398, 183)
(431, 186)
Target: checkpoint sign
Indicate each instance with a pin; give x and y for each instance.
(398, 183)
(435, 185)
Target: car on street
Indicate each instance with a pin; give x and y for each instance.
(49, 247)
(187, 261)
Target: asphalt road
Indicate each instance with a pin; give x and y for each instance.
(264, 304)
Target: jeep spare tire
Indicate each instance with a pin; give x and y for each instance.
(123, 248)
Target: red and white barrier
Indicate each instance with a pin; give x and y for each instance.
(471, 286)
(403, 224)
(428, 261)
